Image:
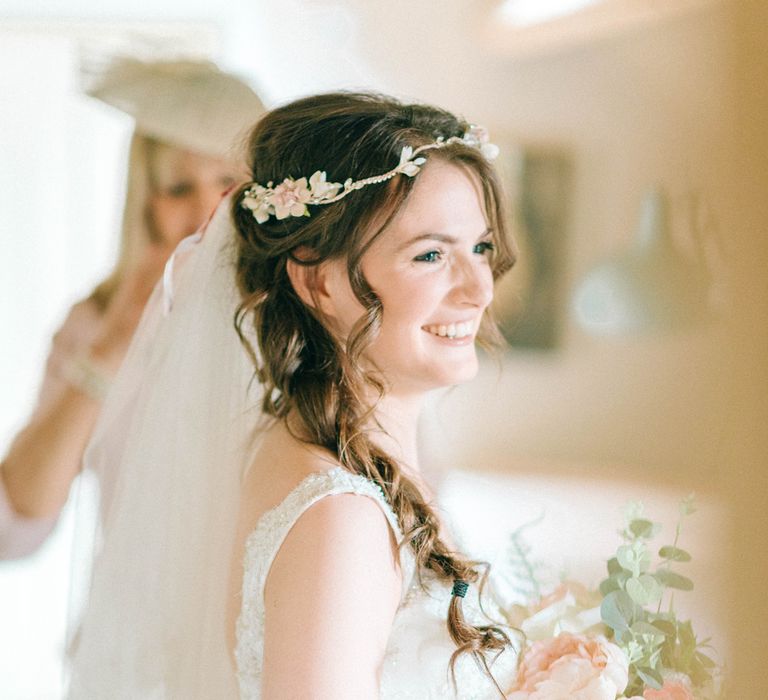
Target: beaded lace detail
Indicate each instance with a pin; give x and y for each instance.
(415, 666)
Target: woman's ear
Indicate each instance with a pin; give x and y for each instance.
(306, 280)
(323, 287)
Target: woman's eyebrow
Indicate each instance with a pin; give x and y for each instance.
(433, 236)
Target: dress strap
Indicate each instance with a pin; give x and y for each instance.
(272, 528)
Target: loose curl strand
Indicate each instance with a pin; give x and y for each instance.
(304, 368)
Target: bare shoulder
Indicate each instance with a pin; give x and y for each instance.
(340, 534)
(330, 600)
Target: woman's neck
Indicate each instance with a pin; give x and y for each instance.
(393, 429)
(397, 435)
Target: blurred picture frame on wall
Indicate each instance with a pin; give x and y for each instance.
(531, 302)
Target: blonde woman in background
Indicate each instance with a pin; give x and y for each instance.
(189, 118)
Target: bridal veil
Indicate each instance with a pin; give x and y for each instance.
(169, 452)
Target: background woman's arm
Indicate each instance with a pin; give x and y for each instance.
(47, 453)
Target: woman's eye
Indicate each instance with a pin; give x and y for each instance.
(483, 248)
(180, 189)
(430, 257)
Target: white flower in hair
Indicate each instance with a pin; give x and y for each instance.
(477, 137)
(490, 151)
(255, 199)
(407, 166)
(320, 188)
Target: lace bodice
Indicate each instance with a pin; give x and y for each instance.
(415, 665)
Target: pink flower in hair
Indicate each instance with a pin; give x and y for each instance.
(290, 198)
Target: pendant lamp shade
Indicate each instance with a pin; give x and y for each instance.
(650, 288)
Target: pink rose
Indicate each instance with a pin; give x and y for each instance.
(571, 666)
(289, 198)
(671, 690)
(569, 608)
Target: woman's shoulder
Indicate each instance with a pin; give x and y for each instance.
(290, 481)
(330, 500)
(330, 481)
(333, 525)
(335, 583)
(327, 508)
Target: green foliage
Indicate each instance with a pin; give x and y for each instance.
(655, 642)
(642, 528)
(522, 567)
(670, 579)
(618, 611)
(644, 589)
(674, 554)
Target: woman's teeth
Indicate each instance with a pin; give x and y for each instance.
(452, 330)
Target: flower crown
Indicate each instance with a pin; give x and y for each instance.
(291, 197)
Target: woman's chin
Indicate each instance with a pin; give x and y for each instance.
(453, 376)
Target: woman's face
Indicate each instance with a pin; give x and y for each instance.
(431, 270)
(185, 189)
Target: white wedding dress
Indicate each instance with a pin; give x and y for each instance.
(419, 649)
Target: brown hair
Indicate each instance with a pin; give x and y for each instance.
(304, 368)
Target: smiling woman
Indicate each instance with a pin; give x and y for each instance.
(344, 303)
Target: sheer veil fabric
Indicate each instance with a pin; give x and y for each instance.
(169, 451)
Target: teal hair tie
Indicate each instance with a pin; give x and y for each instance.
(459, 588)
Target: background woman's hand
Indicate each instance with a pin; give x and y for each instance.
(126, 307)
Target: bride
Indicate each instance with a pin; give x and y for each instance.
(273, 537)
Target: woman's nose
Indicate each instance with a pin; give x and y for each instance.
(474, 283)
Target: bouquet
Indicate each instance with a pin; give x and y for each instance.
(623, 641)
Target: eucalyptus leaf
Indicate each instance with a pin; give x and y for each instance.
(641, 628)
(612, 583)
(634, 557)
(618, 611)
(686, 638)
(670, 579)
(651, 677)
(688, 505)
(704, 660)
(613, 566)
(655, 659)
(625, 556)
(627, 641)
(643, 589)
(674, 554)
(668, 628)
(640, 527)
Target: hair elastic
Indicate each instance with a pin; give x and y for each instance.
(459, 588)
